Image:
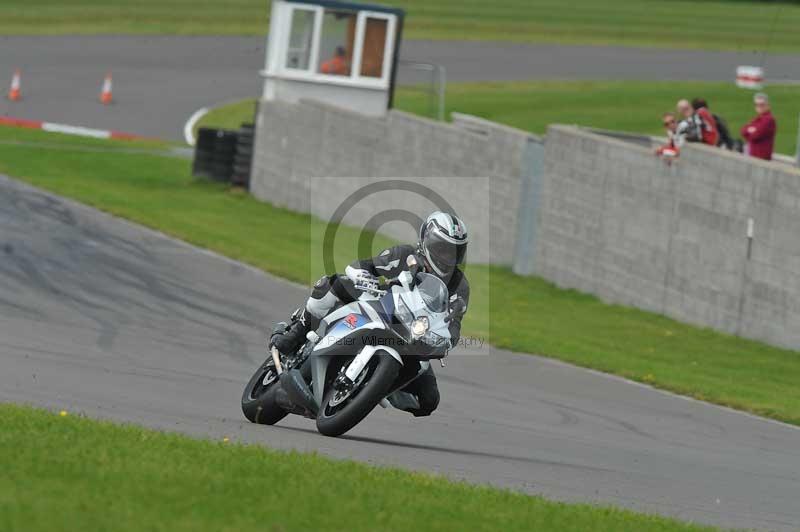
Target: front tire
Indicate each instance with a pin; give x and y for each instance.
(337, 416)
(258, 399)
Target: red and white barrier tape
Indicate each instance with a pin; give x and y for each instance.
(67, 129)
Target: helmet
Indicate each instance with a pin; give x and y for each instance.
(443, 243)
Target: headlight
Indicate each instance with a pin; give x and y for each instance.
(403, 314)
(420, 326)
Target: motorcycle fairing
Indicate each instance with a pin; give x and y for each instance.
(340, 338)
(360, 315)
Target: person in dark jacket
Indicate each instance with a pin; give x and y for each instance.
(760, 132)
(725, 140)
(441, 249)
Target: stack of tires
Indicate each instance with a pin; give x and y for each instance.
(244, 156)
(224, 155)
(214, 154)
(204, 153)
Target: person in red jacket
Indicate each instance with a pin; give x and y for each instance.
(705, 122)
(760, 132)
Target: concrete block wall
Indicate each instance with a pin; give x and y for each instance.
(312, 147)
(771, 302)
(589, 211)
(615, 221)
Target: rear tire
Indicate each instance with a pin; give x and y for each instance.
(336, 420)
(258, 401)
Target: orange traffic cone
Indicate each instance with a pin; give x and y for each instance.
(15, 93)
(105, 93)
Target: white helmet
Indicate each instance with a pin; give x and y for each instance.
(443, 243)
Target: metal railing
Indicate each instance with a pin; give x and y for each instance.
(436, 88)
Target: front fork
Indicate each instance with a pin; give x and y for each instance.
(276, 359)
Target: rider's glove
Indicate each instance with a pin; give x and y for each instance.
(458, 307)
(360, 277)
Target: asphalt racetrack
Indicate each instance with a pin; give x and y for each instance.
(107, 318)
(160, 81)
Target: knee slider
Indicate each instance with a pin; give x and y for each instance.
(321, 287)
(428, 394)
(342, 287)
(429, 400)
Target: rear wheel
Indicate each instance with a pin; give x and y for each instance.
(258, 398)
(343, 410)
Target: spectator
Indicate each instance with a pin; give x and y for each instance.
(759, 133)
(704, 122)
(725, 140)
(686, 131)
(336, 65)
(672, 147)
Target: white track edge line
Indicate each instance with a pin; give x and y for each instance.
(76, 130)
(188, 128)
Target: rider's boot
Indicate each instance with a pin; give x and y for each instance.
(307, 318)
(294, 336)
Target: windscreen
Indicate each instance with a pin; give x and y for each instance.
(433, 291)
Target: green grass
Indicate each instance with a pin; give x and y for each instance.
(533, 315)
(72, 473)
(709, 24)
(623, 106)
(229, 115)
(528, 314)
(742, 26)
(167, 17)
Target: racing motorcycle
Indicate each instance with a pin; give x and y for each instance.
(362, 355)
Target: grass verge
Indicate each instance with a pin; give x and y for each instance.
(623, 106)
(634, 106)
(708, 24)
(527, 314)
(229, 115)
(71, 473)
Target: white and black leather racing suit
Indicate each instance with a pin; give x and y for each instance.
(331, 291)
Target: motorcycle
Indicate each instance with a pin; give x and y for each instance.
(364, 354)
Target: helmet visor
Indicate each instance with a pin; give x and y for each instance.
(444, 255)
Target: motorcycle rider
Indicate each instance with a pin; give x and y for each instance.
(441, 250)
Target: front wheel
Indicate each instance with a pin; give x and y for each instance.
(258, 398)
(343, 410)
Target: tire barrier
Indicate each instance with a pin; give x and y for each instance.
(224, 155)
(242, 161)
